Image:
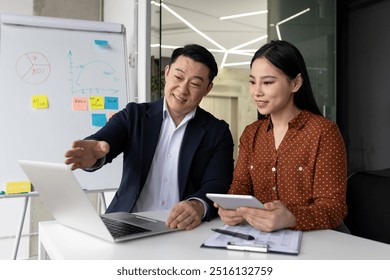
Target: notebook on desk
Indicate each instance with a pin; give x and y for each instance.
(64, 197)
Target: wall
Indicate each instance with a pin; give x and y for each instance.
(23, 7)
(85, 9)
(123, 11)
(368, 108)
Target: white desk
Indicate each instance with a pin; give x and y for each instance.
(60, 242)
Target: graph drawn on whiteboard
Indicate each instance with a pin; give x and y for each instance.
(94, 85)
(33, 68)
(104, 77)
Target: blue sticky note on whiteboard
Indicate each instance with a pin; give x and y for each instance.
(99, 120)
(111, 103)
(102, 43)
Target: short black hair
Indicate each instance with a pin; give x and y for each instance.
(199, 54)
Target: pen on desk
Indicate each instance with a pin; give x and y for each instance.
(235, 234)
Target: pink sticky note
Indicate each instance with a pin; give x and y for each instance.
(110, 114)
(79, 104)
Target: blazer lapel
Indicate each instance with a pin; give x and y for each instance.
(192, 138)
(151, 126)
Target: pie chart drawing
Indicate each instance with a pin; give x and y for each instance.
(33, 68)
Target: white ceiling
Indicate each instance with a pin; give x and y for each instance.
(222, 35)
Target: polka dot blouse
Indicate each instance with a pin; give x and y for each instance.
(307, 172)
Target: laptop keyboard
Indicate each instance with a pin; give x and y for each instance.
(119, 229)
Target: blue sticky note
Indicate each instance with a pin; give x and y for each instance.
(102, 43)
(111, 103)
(99, 120)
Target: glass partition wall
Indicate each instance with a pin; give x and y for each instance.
(311, 26)
(233, 30)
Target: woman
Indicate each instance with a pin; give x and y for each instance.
(293, 159)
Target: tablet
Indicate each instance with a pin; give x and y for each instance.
(233, 201)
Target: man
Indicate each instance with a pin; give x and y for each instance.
(174, 152)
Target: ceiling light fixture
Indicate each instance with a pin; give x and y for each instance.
(237, 63)
(236, 50)
(155, 3)
(250, 42)
(191, 26)
(287, 19)
(164, 46)
(225, 55)
(244, 15)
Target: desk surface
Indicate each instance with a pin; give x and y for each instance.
(60, 242)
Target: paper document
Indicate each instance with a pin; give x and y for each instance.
(281, 241)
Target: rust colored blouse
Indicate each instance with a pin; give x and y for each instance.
(308, 172)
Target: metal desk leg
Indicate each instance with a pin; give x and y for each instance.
(20, 229)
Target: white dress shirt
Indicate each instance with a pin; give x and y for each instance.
(161, 189)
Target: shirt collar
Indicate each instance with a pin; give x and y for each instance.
(166, 113)
(297, 122)
(165, 109)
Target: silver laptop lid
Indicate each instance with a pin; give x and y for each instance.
(65, 199)
(63, 196)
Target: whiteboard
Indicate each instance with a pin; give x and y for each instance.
(60, 80)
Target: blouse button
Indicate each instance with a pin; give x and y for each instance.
(273, 169)
(274, 189)
(251, 166)
(300, 168)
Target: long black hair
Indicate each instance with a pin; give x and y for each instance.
(288, 59)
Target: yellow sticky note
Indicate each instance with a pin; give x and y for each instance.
(79, 103)
(17, 187)
(40, 101)
(96, 102)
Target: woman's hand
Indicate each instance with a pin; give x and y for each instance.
(274, 216)
(229, 216)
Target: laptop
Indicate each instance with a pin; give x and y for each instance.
(64, 197)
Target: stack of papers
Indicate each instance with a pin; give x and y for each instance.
(282, 241)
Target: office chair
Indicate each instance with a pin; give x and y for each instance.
(368, 201)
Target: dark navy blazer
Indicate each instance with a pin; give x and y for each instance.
(205, 160)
